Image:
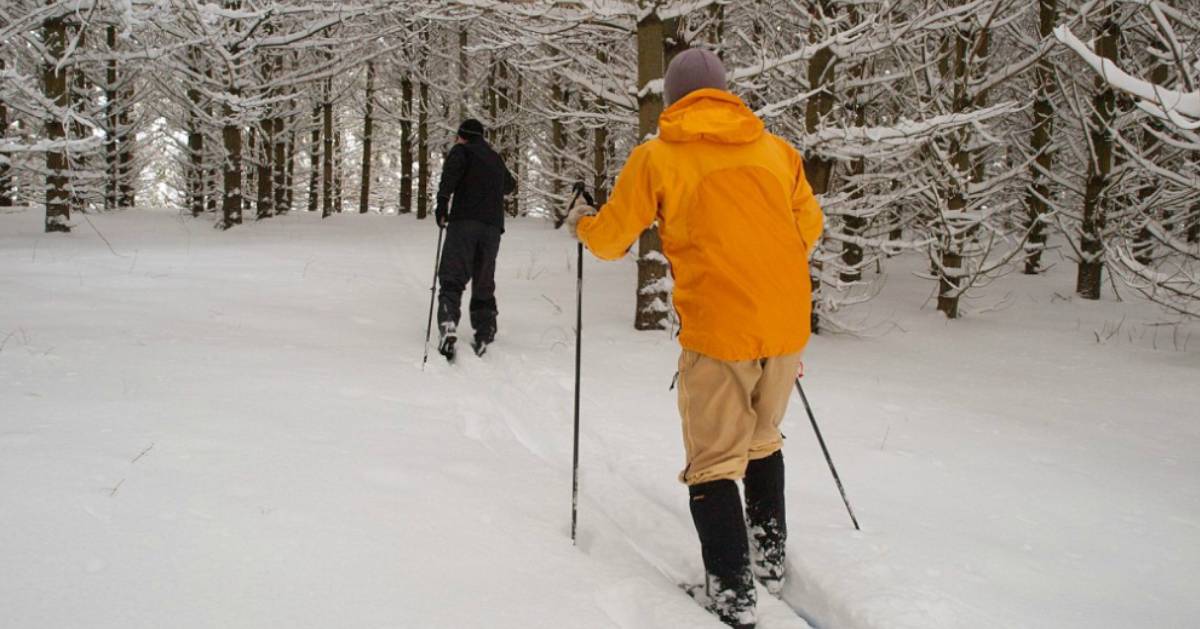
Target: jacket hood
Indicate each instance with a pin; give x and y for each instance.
(712, 115)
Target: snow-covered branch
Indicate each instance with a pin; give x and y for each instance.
(1178, 107)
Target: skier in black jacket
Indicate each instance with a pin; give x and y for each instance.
(476, 179)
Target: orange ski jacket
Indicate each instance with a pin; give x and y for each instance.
(738, 221)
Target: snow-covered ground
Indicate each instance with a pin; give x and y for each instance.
(206, 429)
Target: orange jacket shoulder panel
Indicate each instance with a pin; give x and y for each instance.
(737, 218)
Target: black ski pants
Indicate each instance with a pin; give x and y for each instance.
(469, 256)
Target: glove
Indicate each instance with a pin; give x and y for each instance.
(800, 371)
(441, 212)
(579, 211)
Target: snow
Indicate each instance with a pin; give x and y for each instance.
(205, 428)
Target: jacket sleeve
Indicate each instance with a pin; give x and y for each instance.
(631, 209)
(810, 221)
(452, 173)
(510, 184)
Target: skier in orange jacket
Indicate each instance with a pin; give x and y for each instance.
(738, 222)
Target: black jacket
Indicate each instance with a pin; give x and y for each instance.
(478, 180)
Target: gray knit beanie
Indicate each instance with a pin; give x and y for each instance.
(690, 70)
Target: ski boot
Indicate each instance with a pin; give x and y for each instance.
(716, 510)
(449, 336)
(765, 521)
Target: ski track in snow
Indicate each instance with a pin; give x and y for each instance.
(649, 535)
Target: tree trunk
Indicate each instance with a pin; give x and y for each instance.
(652, 301)
(281, 153)
(406, 148)
(126, 189)
(1096, 201)
(195, 168)
(462, 73)
(855, 224)
(758, 38)
(290, 178)
(110, 115)
(979, 62)
(327, 207)
(817, 169)
(950, 275)
(1193, 230)
(600, 166)
(58, 198)
(195, 173)
(234, 196)
(1036, 206)
(279, 164)
(337, 166)
(717, 32)
(600, 150)
(364, 194)
(265, 156)
(558, 140)
(423, 149)
(231, 135)
(264, 169)
(518, 151)
(213, 171)
(314, 157)
(501, 134)
(1143, 246)
(6, 193)
(250, 172)
(79, 88)
(213, 155)
(490, 96)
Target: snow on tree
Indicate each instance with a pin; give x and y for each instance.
(1146, 165)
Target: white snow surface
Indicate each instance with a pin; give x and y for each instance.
(233, 429)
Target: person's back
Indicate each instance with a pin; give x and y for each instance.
(737, 221)
(477, 179)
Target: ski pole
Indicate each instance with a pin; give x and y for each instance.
(828, 459)
(437, 260)
(578, 364)
(580, 191)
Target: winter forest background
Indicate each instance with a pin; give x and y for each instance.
(971, 131)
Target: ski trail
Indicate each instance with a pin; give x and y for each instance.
(529, 402)
(626, 604)
(651, 529)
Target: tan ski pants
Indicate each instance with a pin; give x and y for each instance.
(731, 412)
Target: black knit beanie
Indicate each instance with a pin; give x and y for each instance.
(470, 128)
